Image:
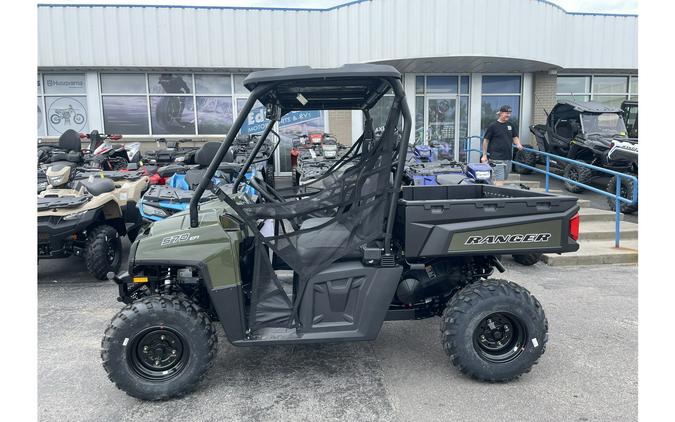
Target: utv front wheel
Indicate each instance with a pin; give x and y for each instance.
(103, 251)
(578, 174)
(494, 330)
(159, 347)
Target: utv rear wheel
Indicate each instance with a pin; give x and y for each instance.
(525, 157)
(159, 347)
(103, 251)
(527, 259)
(578, 174)
(626, 192)
(494, 330)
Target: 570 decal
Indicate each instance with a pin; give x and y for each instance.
(177, 238)
(499, 239)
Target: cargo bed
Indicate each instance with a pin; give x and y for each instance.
(485, 219)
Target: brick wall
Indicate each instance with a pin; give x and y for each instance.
(340, 124)
(544, 95)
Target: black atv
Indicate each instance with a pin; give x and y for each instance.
(586, 132)
(630, 116)
(168, 151)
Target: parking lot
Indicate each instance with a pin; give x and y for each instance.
(588, 373)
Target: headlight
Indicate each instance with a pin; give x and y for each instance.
(150, 210)
(483, 175)
(55, 180)
(75, 216)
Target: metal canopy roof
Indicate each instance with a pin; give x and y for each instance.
(588, 106)
(349, 87)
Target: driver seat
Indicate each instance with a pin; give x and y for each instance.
(203, 158)
(97, 186)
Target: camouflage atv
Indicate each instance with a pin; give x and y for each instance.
(89, 218)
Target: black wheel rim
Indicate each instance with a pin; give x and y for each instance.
(158, 353)
(500, 337)
(111, 253)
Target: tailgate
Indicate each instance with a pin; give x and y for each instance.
(485, 220)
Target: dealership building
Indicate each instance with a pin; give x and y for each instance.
(150, 72)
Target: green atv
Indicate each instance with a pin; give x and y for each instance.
(333, 261)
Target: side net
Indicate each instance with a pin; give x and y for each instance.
(348, 212)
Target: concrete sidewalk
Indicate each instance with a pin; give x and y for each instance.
(589, 371)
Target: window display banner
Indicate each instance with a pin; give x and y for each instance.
(65, 83)
(296, 117)
(255, 121)
(65, 113)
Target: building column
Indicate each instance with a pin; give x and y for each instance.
(95, 114)
(357, 125)
(475, 113)
(526, 110)
(409, 88)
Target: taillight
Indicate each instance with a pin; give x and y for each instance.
(574, 227)
(156, 179)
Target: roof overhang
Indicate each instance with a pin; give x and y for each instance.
(469, 64)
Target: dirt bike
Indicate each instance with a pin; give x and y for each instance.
(66, 114)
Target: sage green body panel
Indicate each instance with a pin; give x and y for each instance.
(173, 241)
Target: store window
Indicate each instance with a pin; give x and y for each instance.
(214, 103)
(239, 87)
(172, 108)
(65, 102)
(633, 87)
(41, 124)
(573, 85)
(442, 111)
(610, 90)
(167, 103)
(125, 103)
(497, 92)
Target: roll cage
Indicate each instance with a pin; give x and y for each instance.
(350, 87)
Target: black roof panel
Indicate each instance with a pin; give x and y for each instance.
(297, 73)
(349, 87)
(589, 107)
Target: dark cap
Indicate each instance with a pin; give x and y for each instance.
(505, 109)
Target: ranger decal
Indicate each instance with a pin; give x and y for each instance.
(510, 238)
(177, 238)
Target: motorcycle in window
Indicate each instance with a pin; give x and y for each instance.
(66, 114)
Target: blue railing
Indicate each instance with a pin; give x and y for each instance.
(616, 195)
(469, 150)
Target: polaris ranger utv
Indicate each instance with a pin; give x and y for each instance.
(332, 264)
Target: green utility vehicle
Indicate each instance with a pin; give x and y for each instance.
(332, 260)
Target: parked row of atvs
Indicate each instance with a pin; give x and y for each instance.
(89, 198)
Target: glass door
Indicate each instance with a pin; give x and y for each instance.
(441, 117)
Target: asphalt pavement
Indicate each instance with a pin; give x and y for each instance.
(588, 373)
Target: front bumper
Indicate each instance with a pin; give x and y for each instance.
(55, 234)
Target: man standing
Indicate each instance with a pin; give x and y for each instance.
(497, 143)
